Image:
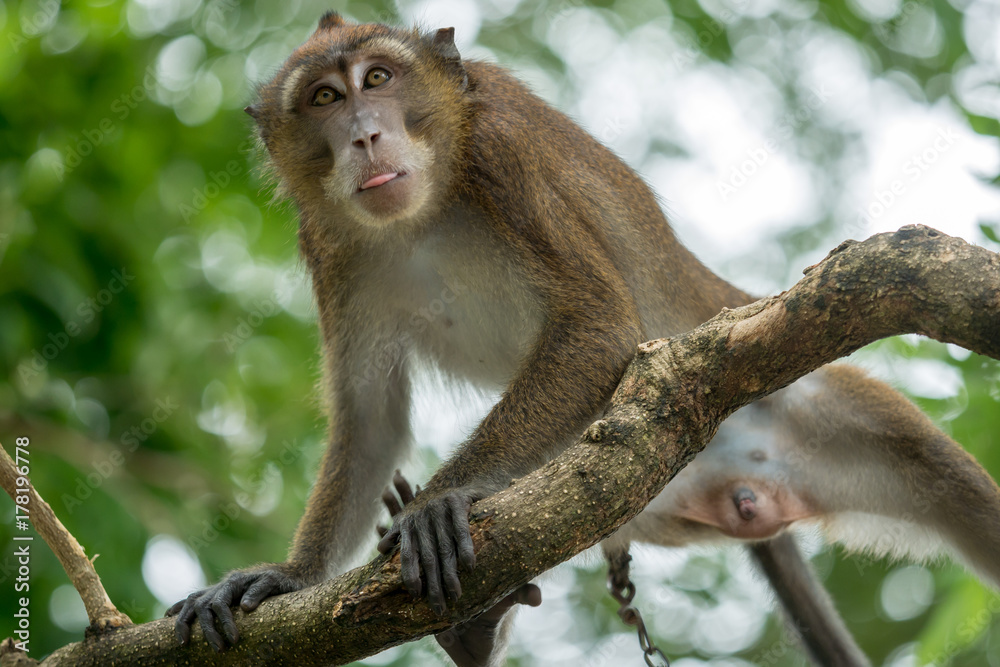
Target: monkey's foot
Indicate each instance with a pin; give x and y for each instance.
(471, 644)
(212, 606)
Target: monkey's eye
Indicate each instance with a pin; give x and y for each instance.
(376, 77)
(324, 96)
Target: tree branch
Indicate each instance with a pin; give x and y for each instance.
(667, 407)
(100, 610)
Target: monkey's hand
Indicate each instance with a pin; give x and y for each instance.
(212, 606)
(469, 644)
(433, 536)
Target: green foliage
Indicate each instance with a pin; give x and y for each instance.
(157, 338)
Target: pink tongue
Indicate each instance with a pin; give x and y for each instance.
(375, 181)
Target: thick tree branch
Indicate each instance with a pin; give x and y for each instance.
(667, 407)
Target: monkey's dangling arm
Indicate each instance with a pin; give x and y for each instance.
(590, 333)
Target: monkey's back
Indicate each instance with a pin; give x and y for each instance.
(526, 160)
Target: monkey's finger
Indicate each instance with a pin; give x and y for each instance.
(402, 488)
(446, 555)
(175, 608)
(409, 568)
(206, 618)
(386, 544)
(390, 502)
(224, 614)
(222, 602)
(382, 531)
(428, 549)
(460, 526)
(256, 593)
(182, 626)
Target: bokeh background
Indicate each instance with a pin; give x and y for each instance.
(157, 335)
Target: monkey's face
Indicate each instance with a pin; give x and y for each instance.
(379, 170)
(355, 126)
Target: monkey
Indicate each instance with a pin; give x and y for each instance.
(416, 173)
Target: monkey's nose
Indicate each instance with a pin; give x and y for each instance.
(367, 139)
(366, 142)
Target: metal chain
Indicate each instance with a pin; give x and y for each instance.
(623, 590)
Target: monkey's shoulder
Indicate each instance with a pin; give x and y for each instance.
(506, 110)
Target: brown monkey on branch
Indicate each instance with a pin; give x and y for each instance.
(415, 174)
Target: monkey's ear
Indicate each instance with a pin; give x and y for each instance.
(253, 111)
(443, 44)
(331, 20)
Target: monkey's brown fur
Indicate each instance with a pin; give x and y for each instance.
(448, 176)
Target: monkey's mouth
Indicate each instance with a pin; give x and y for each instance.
(381, 179)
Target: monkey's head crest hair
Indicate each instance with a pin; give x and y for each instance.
(331, 19)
